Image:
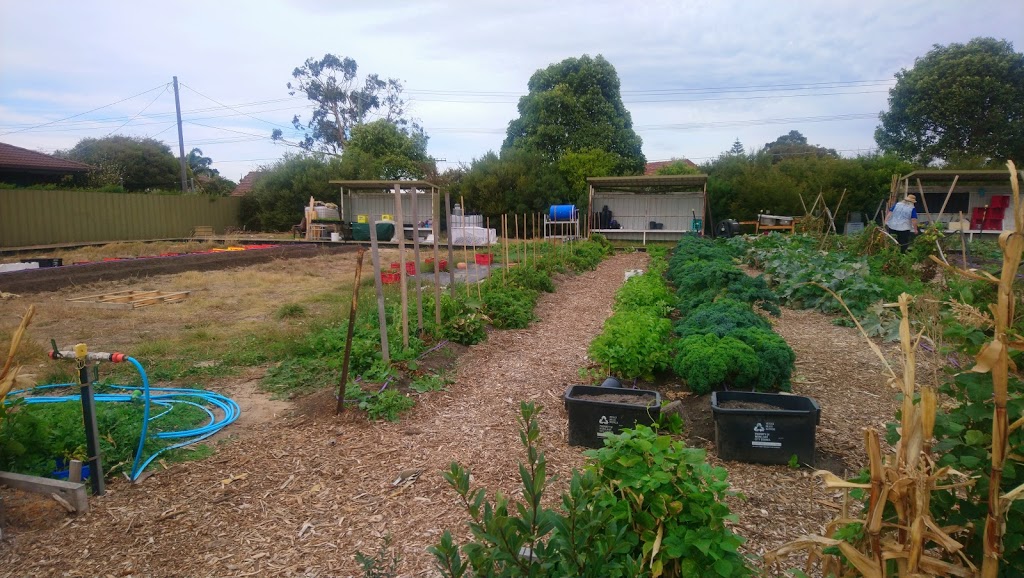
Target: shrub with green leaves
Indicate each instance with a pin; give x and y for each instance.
(527, 276)
(644, 507)
(709, 362)
(633, 344)
(721, 318)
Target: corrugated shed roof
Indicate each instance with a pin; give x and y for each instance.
(246, 184)
(14, 158)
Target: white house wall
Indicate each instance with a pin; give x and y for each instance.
(377, 204)
(636, 212)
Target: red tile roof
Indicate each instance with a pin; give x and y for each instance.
(652, 168)
(245, 185)
(14, 158)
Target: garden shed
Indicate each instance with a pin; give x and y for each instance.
(363, 201)
(647, 208)
(981, 198)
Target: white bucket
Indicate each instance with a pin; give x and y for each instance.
(335, 237)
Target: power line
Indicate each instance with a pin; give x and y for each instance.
(158, 95)
(743, 88)
(645, 101)
(86, 112)
(232, 108)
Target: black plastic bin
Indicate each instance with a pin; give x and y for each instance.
(43, 263)
(765, 436)
(590, 420)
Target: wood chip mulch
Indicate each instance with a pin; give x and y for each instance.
(299, 496)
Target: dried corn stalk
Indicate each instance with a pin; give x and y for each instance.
(907, 479)
(903, 482)
(9, 374)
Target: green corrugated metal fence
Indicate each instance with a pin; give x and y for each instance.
(30, 217)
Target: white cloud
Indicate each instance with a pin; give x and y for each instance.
(91, 54)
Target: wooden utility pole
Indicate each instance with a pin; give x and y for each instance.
(181, 137)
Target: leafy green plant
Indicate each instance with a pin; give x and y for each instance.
(647, 291)
(466, 330)
(633, 344)
(710, 362)
(430, 382)
(508, 307)
(388, 404)
(721, 318)
(644, 507)
(775, 358)
(671, 500)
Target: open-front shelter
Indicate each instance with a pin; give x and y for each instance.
(976, 201)
(647, 208)
(372, 201)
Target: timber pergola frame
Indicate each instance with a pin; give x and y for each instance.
(382, 186)
(682, 185)
(952, 177)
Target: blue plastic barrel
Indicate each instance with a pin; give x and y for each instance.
(562, 213)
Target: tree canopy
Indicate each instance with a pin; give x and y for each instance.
(341, 101)
(960, 100)
(134, 163)
(793, 144)
(575, 106)
(381, 150)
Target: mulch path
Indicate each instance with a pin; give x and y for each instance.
(299, 496)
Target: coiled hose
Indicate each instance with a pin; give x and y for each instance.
(165, 397)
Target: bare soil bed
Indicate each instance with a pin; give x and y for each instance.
(296, 490)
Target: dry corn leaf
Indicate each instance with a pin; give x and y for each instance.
(987, 357)
(833, 481)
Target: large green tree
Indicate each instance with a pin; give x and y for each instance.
(793, 144)
(382, 150)
(960, 100)
(575, 106)
(341, 101)
(137, 164)
(516, 182)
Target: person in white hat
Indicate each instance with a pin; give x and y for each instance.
(902, 221)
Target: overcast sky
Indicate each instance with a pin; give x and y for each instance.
(696, 75)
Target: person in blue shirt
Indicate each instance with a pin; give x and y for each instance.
(902, 221)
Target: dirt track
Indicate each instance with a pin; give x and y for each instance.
(55, 278)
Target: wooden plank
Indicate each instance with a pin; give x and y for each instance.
(73, 493)
(130, 299)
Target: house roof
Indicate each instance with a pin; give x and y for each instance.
(650, 184)
(966, 176)
(384, 185)
(652, 167)
(246, 184)
(14, 158)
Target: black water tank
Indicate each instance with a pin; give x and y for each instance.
(728, 228)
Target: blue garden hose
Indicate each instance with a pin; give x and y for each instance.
(165, 397)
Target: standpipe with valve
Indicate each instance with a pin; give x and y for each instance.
(82, 356)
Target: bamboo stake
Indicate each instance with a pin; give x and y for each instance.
(465, 246)
(414, 194)
(505, 217)
(378, 286)
(435, 231)
(351, 330)
(533, 241)
(515, 246)
(451, 252)
(504, 243)
(401, 270)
